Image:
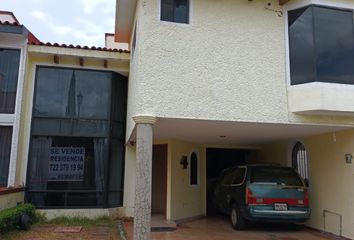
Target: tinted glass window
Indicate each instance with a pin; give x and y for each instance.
(175, 11)
(334, 45)
(321, 45)
(72, 93)
(275, 175)
(9, 67)
(194, 169)
(239, 175)
(301, 46)
(5, 150)
(78, 134)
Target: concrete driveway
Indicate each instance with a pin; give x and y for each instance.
(219, 228)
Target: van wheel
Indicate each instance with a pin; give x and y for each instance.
(238, 222)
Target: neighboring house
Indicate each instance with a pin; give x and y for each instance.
(13, 54)
(207, 85)
(62, 121)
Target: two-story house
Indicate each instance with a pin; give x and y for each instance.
(273, 79)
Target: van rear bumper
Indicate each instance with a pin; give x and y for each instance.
(267, 213)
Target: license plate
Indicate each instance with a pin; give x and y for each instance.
(280, 207)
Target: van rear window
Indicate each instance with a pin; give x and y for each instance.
(275, 175)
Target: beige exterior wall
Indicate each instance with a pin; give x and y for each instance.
(229, 63)
(331, 181)
(330, 177)
(186, 200)
(11, 200)
(183, 200)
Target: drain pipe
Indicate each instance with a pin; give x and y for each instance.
(333, 213)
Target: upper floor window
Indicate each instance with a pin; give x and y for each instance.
(175, 11)
(9, 67)
(321, 42)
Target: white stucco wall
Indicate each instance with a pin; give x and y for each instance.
(229, 63)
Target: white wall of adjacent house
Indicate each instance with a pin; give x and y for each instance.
(111, 43)
(7, 17)
(229, 63)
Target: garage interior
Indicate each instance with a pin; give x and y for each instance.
(226, 144)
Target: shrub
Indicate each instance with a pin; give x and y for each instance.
(10, 219)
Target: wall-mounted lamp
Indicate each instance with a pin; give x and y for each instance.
(184, 162)
(348, 158)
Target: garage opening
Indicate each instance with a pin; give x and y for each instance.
(217, 160)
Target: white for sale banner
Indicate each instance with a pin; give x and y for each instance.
(66, 164)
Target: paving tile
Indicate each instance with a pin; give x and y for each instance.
(72, 229)
(219, 228)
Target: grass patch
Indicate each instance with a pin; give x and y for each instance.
(41, 220)
(80, 221)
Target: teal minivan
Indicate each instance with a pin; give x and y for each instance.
(261, 193)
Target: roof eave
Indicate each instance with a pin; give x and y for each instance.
(125, 12)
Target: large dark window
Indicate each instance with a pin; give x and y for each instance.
(77, 146)
(5, 149)
(175, 11)
(321, 43)
(9, 67)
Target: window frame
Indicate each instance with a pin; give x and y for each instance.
(190, 169)
(190, 8)
(13, 119)
(297, 5)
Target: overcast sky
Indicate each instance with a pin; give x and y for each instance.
(82, 22)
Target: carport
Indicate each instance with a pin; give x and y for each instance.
(186, 198)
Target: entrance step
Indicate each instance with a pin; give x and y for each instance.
(160, 224)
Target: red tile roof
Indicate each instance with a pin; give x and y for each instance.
(78, 47)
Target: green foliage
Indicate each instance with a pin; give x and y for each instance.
(10, 218)
(39, 218)
(80, 221)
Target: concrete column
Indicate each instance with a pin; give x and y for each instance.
(142, 209)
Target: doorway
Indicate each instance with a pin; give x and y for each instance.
(159, 180)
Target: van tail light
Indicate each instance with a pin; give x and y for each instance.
(249, 196)
(250, 199)
(306, 199)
